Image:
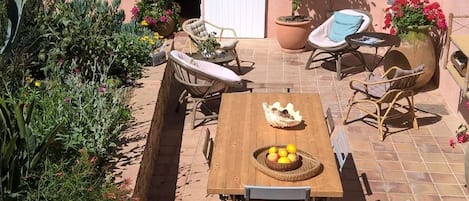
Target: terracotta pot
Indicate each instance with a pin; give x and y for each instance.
(292, 36)
(416, 48)
(165, 29)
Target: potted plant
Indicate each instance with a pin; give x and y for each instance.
(207, 47)
(293, 30)
(158, 15)
(412, 21)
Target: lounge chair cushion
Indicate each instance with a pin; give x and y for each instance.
(375, 90)
(207, 68)
(401, 72)
(344, 25)
(198, 28)
(228, 44)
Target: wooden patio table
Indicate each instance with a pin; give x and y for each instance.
(242, 129)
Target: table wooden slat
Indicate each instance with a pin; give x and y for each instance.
(242, 128)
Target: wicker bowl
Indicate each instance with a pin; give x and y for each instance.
(281, 117)
(283, 166)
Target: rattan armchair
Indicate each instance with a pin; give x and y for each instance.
(198, 30)
(203, 81)
(378, 91)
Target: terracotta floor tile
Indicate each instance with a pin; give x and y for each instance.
(389, 156)
(389, 165)
(433, 157)
(425, 197)
(454, 158)
(394, 176)
(401, 197)
(413, 157)
(405, 147)
(396, 187)
(438, 168)
(449, 190)
(454, 198)
(414, 166)
(418, 177)
(423, 188)
(428, 148)
(443, 178)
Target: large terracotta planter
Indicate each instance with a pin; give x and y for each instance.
(165, 29)
(416, 48)
(292, 36)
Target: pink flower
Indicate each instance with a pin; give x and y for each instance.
(67, 99)
(452, 143)
(102, 89)
(150, 21)
(76, 70)
(134, 12)
(163, 19)
(169, 12)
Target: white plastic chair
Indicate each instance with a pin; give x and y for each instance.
(319, 41)
(277, 192)
(340, 148)
(202, 80)
(207, 147)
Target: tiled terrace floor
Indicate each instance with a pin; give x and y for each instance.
(409, 165)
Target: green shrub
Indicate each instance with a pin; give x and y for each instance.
(87, 33)
(20, 151)
(78, 180)
(93, 111)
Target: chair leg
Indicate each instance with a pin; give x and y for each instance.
(338, 66)
(310, 59)
(237, 60)
(412, 112)
(380, 121)
(349, 105)
(181, 99)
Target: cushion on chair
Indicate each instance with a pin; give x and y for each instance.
(376, 90)
(217, 71)
(198, 28)
(344, 25)
(228, 44)
(401, 72)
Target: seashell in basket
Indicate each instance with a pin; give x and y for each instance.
(281, 117)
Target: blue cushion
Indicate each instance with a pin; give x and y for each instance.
(344, 25)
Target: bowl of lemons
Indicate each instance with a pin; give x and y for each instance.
(283, 158)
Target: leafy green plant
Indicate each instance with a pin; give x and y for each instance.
(93, 111)
(78, 180)
(89, 34)
(20, 150)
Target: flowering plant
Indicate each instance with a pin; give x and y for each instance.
(150, 13)
(461, 135)
(403, 14)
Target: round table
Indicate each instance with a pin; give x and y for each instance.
(376, 40)
(220, 58)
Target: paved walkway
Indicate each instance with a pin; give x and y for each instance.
(409, 165)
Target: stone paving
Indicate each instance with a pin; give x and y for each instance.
(409, 165)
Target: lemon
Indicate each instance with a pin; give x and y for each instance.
(291, 148)
(272, 150)
(282, 152)
(283, 160)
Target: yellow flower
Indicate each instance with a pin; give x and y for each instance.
(144, 23)
(152, 42)
(156, 35)
(37, 83)
(29, 79)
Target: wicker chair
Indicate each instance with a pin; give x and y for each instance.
(203, 81)
(197, 30)
(319, 40)
(378, 90)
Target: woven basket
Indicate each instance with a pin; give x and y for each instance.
(310, 165)
(282, 166)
